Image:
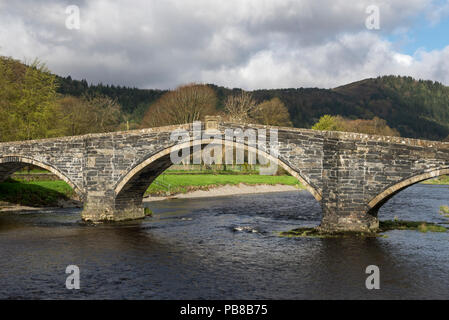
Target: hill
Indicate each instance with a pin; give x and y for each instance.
(132, 100)
(416, 108)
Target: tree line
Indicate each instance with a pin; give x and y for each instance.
(31, 107)
(34, 103)
(193, 102)
(375, 126)
(416, 108)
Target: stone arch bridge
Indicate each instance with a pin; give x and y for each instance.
(351, 175)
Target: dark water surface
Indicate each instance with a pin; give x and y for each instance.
(191, 250)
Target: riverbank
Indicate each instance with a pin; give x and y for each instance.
(443, 180)
(35, 193)
(226, 190)
(31, 192)
(179, 184)
(26, 194)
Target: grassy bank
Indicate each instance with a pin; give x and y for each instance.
(48, 193)
(36, 193)
(384, 226)
(182, 183)
(443, 180)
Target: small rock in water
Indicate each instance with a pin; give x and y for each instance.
(246, 229)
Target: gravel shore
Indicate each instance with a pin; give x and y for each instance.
(227, 190)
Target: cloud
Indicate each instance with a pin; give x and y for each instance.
(250, 44)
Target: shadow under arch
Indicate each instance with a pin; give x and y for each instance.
(391, 191)
(132, 186)
(11, 163)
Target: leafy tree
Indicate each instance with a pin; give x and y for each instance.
(336, 123)
(35, 106)
(328, 123)
(8, 94)
(75, 116)
(186, 104)
(272, 112)
(28, 100)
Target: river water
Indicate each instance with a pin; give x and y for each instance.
(224, 248)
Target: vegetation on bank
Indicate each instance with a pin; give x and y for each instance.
(443, 180)
(420, 226)
(38, 187)
(444, 211)
(384, 226)
(36, 193)
(49, 193)
(170, 184)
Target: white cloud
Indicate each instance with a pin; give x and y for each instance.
(403, 59)
(348, 58)
(250, 44)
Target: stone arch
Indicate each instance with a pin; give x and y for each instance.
(132, 186)
(388, 193)
(12, 163)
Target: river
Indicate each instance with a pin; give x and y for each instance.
(200, 249)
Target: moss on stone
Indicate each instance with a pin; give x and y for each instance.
(420, 226)
(444, 211)
(148, 212)
(384, 226)
(318, 233)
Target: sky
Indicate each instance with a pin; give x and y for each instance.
(250, 44)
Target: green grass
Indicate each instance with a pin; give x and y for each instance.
(443, 180)
(384, 226)
(47, 193)
(32, 171)
(37, 193)
(420, 226)
(444, 211)
(308, 233)
(182, 183)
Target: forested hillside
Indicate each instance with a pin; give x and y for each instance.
(133, 101)
(36, 104)
(417, 109)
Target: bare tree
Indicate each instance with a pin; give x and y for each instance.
(240, 106)
(89, 114)
(186, 104)
(106, 112)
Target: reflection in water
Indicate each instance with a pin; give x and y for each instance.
(192, 249)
